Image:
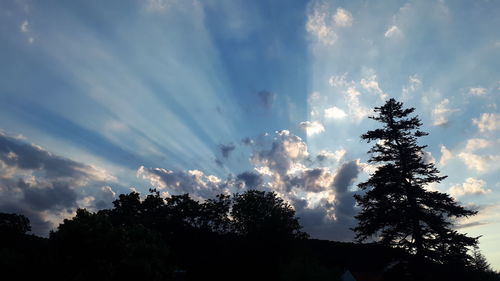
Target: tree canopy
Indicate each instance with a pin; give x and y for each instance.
(397, 208)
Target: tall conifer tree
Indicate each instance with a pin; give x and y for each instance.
(396, 207)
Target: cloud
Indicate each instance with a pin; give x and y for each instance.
(476, 144)
(356, 110)
(335, 113)
(226, 149)
(319, 26)
(440, 113)
(340, 81)
(45, 187)
(319, 192)
(337, 155)
(194, 182)
(370, 84)
(24, 27)
(477, 91)
(471, 186)
(393, 31)
(414, 84)
(342, 18)
(487, 122)
(312, 128)
(446, 155)
(252, 180)
(480, 163)
(266, 99)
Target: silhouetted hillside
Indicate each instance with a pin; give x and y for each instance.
(182, 239)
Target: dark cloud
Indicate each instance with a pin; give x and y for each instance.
(247, 141)
(346, 175)
(252, 180)
(46, 187)
(320, 195)
(193, 182)
(266, 99)
(226, 149)
(309, 180)
(18, 154)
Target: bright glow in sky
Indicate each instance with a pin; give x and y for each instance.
(98, 97)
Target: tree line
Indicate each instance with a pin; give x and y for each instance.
(256, 235)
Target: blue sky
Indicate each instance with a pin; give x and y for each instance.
(98, 97)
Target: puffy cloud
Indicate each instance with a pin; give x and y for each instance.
(393, 31)
(471, 186)
(478, 91)
(319, 26)
(476, 144)
(440, 113)
(446, 155)
(342, 18)
(487, 122)
(195, 182)
(320, 194)
(480, 163)
(252, 180)
(356, 110)
(312, 128)
(45, 187)
(335, 113)
(371, 85)
(337, 155)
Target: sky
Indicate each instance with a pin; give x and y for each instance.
(99, 98)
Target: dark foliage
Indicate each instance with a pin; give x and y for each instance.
(396, 208)
(250, 236)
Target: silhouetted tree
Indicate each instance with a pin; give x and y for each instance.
(13, 224)
(264, 215)
(397, 208)
(479, 261)
(90, 247)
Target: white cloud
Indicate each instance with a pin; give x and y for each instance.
(487, 122)
(336, 155)
(24, 26)
(440, 113)
(312, 128)
(480, 163)
(335, 113)
(371, 85)
(478, 91)
(446, 155)
(356, 110)
(319, 27)
(392, 31)
(342, 18)
(339, 81)
(414, 83)
(471, 186)
(475, 144)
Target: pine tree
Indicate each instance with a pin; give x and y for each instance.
(396, 207)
